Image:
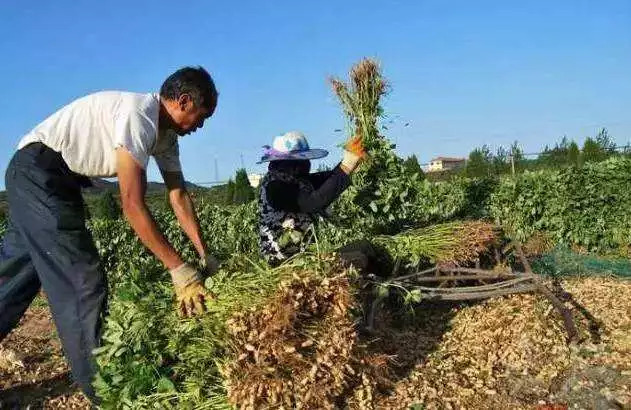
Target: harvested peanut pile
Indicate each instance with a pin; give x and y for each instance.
(300, 350)
(511, 353)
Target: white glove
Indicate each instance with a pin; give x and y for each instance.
(350, 161)
(353, 154)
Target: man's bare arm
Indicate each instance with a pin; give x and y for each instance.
(184, 209)
(132, 180)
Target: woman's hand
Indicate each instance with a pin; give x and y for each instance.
(353, 154)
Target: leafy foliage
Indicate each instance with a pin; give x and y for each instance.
(152, 358)
(599, 148)
(215, 195)
(238, 191)
(480, 162)
(243, 191)
(106, 206)
(385, 197)
(145, 344)
(587, 206)
(574, 154)
(229, 192)
(412, 166)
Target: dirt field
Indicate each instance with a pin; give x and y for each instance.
(505, 353)
(33, 371)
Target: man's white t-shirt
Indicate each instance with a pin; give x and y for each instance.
(87, 132)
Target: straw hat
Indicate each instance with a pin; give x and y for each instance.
(292, 145)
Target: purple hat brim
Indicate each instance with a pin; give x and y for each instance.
(300, 155)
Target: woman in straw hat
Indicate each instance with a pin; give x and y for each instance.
(292, 197)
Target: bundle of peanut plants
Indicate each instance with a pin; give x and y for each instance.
(385, 197)
(459, 242)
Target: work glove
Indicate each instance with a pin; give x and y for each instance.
(353, 154)
(189, 290)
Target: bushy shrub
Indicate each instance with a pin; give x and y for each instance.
(588, 206)
(106, 206)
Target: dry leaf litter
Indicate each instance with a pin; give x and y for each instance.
(511, 353)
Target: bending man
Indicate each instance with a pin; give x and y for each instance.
(47, 244)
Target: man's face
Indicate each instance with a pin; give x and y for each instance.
(186, 117)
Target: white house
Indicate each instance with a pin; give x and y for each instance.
(445, 164)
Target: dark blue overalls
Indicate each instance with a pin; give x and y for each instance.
(48, 245)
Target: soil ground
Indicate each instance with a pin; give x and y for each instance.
(33, 372)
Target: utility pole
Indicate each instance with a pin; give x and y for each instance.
(216, 171)
(242, 165)
(512, 163)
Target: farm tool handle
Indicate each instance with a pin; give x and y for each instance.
(570, 327)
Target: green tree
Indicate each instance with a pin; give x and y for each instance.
(592, 151)
(506, 158)
(561, 155)
(517, 152)
(106, 206)
(412, 166)
(543, 159)
(518, 156)
(605, 141)
(574, 154)
(501, 161)
(243, 191)
(229, 192)
(599, 148)
(480, 162)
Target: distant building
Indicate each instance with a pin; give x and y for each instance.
(255, 179)
(445, 164)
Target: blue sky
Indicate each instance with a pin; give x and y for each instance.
(462, 73)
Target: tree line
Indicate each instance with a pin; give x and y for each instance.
(482, 162)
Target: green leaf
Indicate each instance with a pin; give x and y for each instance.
(415, 296)
(296, 236)
(381, 291)
(165, 386)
